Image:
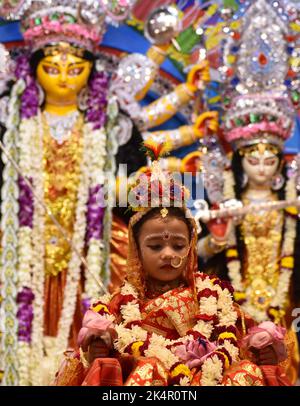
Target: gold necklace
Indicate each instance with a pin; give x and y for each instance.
(61, 181)
(262, 238)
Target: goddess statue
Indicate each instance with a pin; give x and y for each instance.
(62, 129)
(257, 252)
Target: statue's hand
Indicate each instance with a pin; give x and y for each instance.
(220, 229)
(192, 162)
(206, 122)
(198, 75)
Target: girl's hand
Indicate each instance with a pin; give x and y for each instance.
(97, 349)
(265, 356)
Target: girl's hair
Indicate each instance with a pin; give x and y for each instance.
(155, 212)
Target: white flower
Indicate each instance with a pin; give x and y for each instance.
(105, 298)
(208, 305)
(128, 289)
(185, 381)
(157, 348)
(130, 312)
(205, 328)
(212, 371)
(128, 335)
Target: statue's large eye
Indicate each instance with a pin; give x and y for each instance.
(270, 161)
(51, 70)
(252, 160)
(75, 71)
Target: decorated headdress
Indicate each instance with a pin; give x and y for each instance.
(80, 22)
(260, 73)
(156, 188)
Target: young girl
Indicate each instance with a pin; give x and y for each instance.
(169, 324)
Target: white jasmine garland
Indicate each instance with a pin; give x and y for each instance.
(128, 335)
(128, 289)
(234, 273)
(25, 257)
(23, 354)
(208, 305)
(94, 261)
(204, 327)
(185, 381)
(226, 316)
(96, 159)
(232, 349)
(212, 371)
(9, 228)
(24, 273)
(38, 272)
(106, 298)
(131, 312)
(95, 154)
(157, 348)
(74, 267)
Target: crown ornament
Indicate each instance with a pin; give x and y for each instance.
(81, 22)
(260, 76)
(156, 187)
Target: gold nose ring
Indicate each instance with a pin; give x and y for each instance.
(176, 262)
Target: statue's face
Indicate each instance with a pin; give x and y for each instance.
(260, 164)
(63, 75)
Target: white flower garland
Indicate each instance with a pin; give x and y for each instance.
(74, 266)
(9, 226)
(25, 249)
(38, 246)
(234, 265)
(221, 306)
(96, 156)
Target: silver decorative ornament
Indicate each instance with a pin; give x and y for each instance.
(226, 13)
(61, 126)
(162, 25)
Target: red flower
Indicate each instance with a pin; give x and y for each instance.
(205, 317)
(227, 285)
(201, 275)
(207, 293)
(133, 323)
(124, 299)
(225, 352)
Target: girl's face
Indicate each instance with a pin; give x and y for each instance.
(63, 75)
(160, 241)
(260, 165)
